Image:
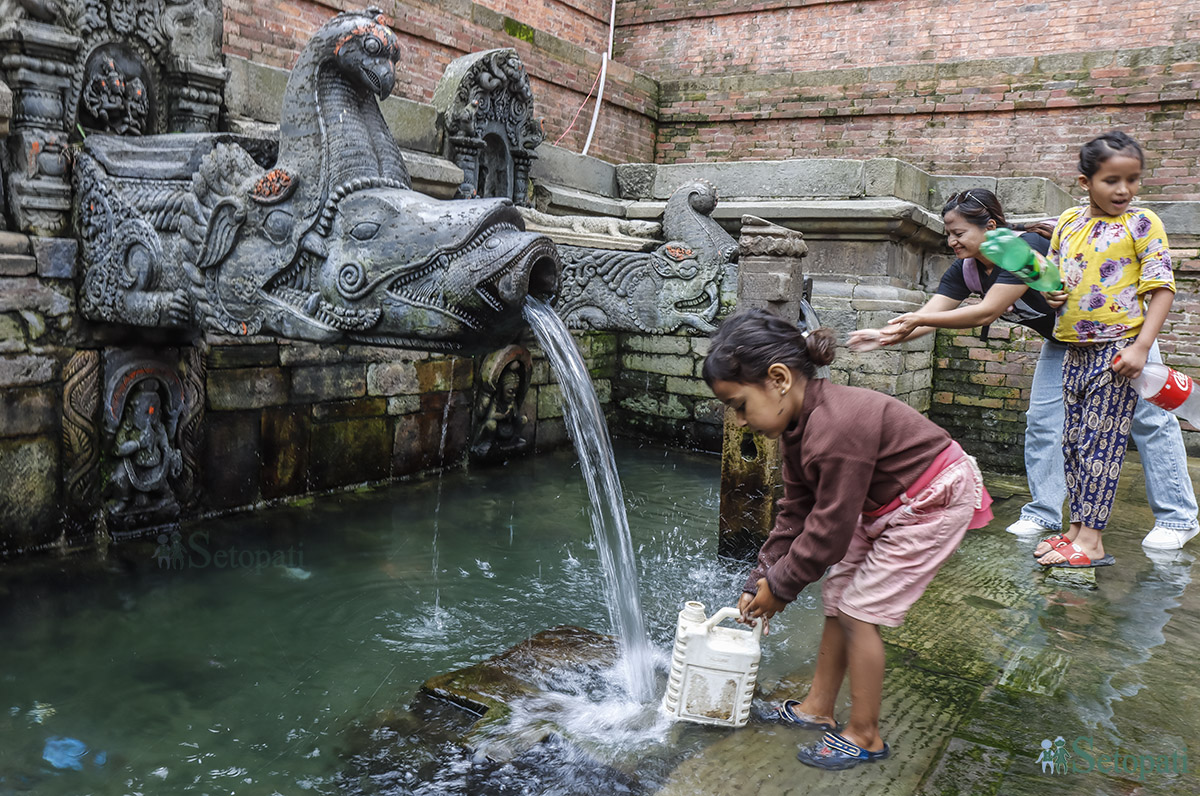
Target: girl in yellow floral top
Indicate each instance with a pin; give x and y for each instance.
(1116, 268)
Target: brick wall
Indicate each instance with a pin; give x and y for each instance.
(669, 38)
(660, 395)
(559, 43)
(981, 391)
(1005, 116)
(947, 86)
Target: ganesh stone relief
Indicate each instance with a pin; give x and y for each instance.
(144, 401)
(501, 418)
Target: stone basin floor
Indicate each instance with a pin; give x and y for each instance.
(999, 657)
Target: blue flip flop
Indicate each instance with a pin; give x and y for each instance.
(835, 753)
(788, 714)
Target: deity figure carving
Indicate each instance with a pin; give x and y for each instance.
(500, 417)
(115, 103)
(323, 239)
(656, 292)
(79, 67)
(146, 455)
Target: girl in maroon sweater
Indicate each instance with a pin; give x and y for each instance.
(874, 492)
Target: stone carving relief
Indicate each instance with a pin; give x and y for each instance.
(191, 424)
(324, 241)
(603, 232)
(81, 434)
(77, 67)
(485, 109)
(500, 414)
(678, 284)
(114, 101)
(143, 403)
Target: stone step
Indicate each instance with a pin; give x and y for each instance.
(14, 243)
(17, 265)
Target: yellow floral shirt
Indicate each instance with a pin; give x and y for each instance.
(1107, 264)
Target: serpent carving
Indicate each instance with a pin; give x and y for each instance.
(322, 240)
(677, 284)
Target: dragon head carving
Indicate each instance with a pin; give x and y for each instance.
(325, 242)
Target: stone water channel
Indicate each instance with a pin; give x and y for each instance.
(277, 656)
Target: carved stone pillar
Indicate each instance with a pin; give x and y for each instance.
(770, 276)
(37, 61)
(466, 157)
(522, 161)
(194, 92)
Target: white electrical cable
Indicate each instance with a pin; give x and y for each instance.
(605, 58)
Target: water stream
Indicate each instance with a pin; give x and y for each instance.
(610, 527)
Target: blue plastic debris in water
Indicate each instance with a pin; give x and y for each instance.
(63, 752)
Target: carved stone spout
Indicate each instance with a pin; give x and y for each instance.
(323, 239)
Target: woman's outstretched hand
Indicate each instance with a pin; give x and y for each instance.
(763, 605)
(865, 340)
(901, 327)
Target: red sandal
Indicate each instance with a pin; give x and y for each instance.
(1056, 542)
(1077, 559)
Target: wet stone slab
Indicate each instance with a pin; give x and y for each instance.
(1000, 657)
(921, 710)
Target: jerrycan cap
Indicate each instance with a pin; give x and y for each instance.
(693, 611)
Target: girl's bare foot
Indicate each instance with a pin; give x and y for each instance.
(1045, 547)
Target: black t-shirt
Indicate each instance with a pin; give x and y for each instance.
(1030, 310)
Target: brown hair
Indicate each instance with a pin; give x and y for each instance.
(748, 342)
(978, 206)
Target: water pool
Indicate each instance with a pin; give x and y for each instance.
(234, 657)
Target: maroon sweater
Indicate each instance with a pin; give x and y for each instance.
(852, 450)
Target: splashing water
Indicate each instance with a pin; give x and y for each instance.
(610, 526)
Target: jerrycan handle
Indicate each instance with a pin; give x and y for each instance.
(729, 612)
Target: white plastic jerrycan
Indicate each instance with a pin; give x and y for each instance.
(713, 669)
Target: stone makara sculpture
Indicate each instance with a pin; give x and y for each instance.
(656, 292)
(324, 240)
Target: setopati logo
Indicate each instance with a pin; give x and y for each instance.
(197, 553)
(1082, 756)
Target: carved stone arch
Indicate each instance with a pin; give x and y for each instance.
(485, 111)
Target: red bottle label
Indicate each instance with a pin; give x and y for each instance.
(1174, 392)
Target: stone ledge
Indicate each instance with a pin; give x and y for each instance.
(562, 167)
(561, 200)
(767, 178)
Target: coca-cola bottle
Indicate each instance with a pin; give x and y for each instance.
(1006, 249)
(1169, 389)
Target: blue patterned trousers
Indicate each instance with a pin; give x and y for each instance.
(1098, 406)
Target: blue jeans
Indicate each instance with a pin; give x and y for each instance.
(1155, 432)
